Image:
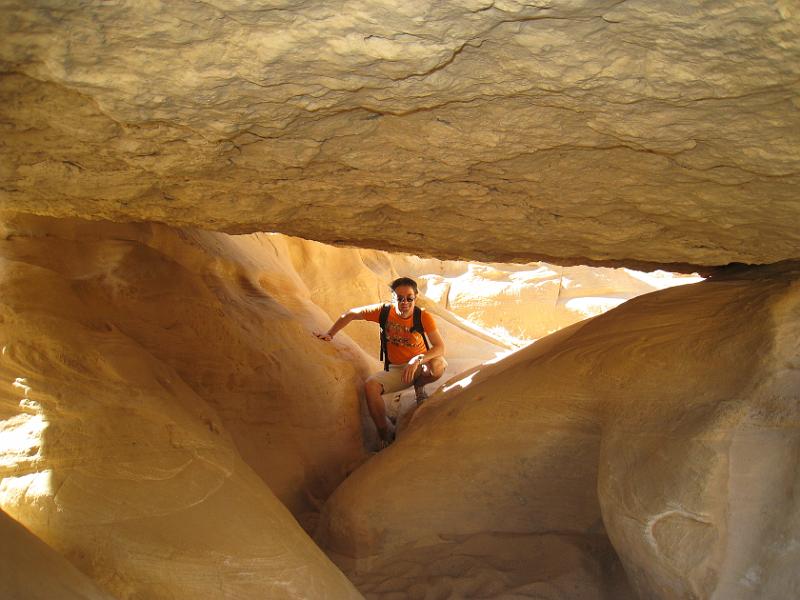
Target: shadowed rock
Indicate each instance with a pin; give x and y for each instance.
(613, 132)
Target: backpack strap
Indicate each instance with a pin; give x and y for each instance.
(382, 320)
(418, 327)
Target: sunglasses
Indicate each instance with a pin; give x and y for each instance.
(405, 298)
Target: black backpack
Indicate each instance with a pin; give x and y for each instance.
(417, 326)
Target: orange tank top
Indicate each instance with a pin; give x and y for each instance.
(402, 344)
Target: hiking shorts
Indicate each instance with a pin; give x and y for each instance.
(392, 380)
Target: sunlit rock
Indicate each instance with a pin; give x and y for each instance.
(147, 370)
(669, 424)
(698, 465)
(167, 416)
(524, 302)
(137, 371)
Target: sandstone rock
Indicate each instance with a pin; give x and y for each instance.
(697, 475)
(548, 566)
(525, 302)
(129, 394)
(337, 279)
(483, 311)
(228, 316)
(31, 570)
(234, 317)
(506, 305)
(153, 379)
(608, 132)
(342, 278)
(160, 362)
(670, 422)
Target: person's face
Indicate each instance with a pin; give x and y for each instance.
(404, 298)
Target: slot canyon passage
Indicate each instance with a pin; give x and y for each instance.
(172, 175)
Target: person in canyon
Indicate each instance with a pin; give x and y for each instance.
(409, 358)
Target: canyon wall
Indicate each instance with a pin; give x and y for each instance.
(521, 303)
(165, 400)
(29, 568)
(208, 304)
(668, 426)
(155, 381)
(171, 426)
(150, 385)
(511, 304)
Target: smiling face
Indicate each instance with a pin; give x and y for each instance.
(404, 298)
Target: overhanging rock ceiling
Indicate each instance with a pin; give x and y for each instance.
(579, 131)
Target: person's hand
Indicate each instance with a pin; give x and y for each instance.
(326, 337)
(411, 369)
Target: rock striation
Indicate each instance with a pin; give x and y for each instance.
(608, 132)
(170, 427)
(667, 427)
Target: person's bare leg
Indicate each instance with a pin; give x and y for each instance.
(427, 373)
(377, 409)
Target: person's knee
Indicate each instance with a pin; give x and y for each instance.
(437, 367)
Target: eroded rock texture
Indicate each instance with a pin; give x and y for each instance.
(608, 131)
(668, 426)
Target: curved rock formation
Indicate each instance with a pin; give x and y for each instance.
(30, 569)
(150, 374)
(147, 370)
(588, 131)
(163, 400)
(689, 465)
(138, 369)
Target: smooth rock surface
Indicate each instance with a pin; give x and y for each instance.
(31, 570)
(154, 379)
(616, 132)
(227, 314)
(122, 441)
(671, 424)
(699, 460)
(234, 315)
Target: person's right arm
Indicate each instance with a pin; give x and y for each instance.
(354, 314)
